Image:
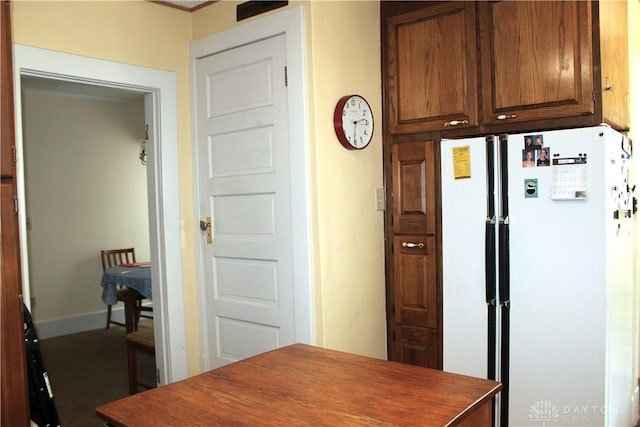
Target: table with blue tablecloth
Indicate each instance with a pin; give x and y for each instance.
(136, 278)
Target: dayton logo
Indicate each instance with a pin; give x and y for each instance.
(543, 411)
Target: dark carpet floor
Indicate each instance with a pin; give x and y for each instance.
(88, 369)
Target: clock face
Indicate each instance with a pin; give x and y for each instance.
(353, 122)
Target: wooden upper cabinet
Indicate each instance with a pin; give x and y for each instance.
(614, 59)
(537, 60)
(432, 68)
(468, 68)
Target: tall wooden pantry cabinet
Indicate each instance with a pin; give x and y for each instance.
(460, 68)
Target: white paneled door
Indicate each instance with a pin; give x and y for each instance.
(244, 191)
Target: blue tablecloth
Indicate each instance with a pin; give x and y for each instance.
(138, 278)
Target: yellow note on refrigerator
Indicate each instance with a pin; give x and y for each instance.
(462, 162)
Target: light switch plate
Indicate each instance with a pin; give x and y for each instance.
(380, 199)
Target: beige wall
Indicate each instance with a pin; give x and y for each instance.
(342, 58)
(345, 50)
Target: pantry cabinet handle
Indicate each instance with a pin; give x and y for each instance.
(506, 116)
(412, 245)
(456, 122)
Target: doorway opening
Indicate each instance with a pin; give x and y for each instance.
(85, 190)
(160, 110)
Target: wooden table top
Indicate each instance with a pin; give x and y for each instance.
(306, 385)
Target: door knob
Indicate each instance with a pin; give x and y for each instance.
(206, 226)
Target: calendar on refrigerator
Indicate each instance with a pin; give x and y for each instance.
(569, 178)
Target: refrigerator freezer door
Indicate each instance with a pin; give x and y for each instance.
(464, 211)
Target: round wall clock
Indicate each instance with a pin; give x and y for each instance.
(353, 122)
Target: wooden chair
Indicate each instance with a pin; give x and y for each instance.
(140, 340)
(111, 257)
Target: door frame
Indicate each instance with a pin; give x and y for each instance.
(159, 88)
(289, 22)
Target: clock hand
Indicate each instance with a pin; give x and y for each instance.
(354, 131)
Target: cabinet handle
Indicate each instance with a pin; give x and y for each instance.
(412, 245)
(506, 116)
(456, 122)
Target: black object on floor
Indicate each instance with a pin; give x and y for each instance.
(42, 407)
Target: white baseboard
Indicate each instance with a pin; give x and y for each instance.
(82, 323)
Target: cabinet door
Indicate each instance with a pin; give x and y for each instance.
(415, 296)
(14, 389)
(432, 68)
(537, 60)
(414, 188)
(416, 346)
(415, 334)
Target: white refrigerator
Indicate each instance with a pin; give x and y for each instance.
(537, 273)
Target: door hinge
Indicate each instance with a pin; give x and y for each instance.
(15, 204)
(286, 77)
(593, 94)
(157, 376)
(14, 157)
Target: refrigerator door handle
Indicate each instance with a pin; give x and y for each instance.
(490, 295)
(503, 226)
(503, 279)
(490, 260)
(503, 255)
(504, 297)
